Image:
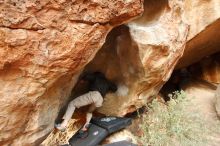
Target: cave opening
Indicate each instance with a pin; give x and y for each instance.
(119, 63)
(200, 61)
(205, 71)
(120, 60)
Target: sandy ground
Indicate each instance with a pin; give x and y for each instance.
(203, 99)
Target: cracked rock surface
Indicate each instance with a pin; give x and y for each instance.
(44, 45)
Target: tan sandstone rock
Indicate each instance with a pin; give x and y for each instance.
(123, 135)
(203, 18)
(44, 46)
(140, 57)
(211, 69)
(145, 54)
(207, 69)
(217, 103)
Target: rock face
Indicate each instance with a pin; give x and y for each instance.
(44, 46)
(203, 18)
(207, 69)
(142, 56)
(139, 58)
(217, 95)
(211, 69)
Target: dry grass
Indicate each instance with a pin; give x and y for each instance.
(171, 125)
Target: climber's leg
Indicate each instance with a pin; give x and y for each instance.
(97, 102)
(76, 103)
(89, 117)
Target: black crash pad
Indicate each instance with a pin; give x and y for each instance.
(95, 135)
(99, 129)
(112, 124)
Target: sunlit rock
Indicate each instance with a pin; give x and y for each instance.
(44, 46)
(142, 56)
(203, 38)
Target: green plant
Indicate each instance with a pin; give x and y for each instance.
(172, 125)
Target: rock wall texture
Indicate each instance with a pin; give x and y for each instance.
(217, 103)
(139, 57)
(154, 44)
(207, 69)
(44, 45)
(203, 38)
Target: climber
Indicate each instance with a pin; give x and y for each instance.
(98, 87)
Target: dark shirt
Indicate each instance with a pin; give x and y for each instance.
(98, 82)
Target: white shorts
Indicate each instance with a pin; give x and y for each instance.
(92, 97)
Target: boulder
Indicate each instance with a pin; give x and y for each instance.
(44, 47)
(207, 69)
(142, 56)
(211, 69)
(203, 18)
